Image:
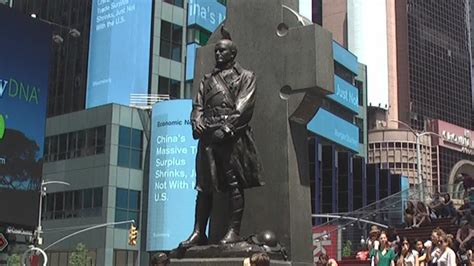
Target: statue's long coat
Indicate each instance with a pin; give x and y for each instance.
(226, 98)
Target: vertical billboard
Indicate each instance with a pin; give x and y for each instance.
(172, 196)
(119, 51)
(325, 241)
(24, 69)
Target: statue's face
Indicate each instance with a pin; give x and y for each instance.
(223, 52)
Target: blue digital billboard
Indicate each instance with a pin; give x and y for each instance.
(344, 57)
(345, 94)
(190, 60)
(24, 69)
(171, 197)
(119, 51)
(335, 129)
(206, 13)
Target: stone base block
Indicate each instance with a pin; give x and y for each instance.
(219, 262)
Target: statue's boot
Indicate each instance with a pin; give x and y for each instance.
(237, 207)
(203, 211)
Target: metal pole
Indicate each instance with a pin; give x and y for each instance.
(39, 228)
(418, 168)
(88, 229)
(40, 211)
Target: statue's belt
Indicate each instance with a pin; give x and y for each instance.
(220, 112)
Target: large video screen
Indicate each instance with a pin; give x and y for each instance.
(24, 67)
(119, 51)
(171, 197)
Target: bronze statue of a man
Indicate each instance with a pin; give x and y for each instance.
(227, 159)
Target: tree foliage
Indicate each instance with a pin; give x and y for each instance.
(22, 170)
(80, 256)
(347, 249)
(14, 260)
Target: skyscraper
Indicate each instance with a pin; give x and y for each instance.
(68, 70)
(419, 73)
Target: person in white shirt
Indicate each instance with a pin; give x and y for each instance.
(432, 247)
(447, 256)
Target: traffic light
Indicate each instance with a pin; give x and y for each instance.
(132, 235)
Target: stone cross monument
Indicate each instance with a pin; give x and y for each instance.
(293, 63)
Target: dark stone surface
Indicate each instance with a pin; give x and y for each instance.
(219, 262)
(237, 250)
(295, 71)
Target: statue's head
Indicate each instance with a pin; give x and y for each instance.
(225, 50)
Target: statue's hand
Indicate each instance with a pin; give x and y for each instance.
(200, 128)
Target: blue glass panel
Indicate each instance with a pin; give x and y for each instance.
(121, 198)
(124, 136)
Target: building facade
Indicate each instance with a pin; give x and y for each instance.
(337, 168)
(101, 153)
(426, 77)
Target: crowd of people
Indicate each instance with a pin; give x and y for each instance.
(443, 249)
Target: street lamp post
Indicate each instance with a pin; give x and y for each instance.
(418, 154)
(40, 210)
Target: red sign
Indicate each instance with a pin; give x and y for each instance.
(3, 242)
(453, 137)
(325, 241)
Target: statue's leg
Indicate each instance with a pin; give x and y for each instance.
(237, 203)
(203, 211)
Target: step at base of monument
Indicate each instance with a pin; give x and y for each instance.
(226, 262)
(424, 232)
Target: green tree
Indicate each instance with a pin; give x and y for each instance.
(13, 260)
(80, 256)
(347, 249)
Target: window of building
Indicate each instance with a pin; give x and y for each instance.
(360, 125)
(360, 87)
(179, 3)
(171, 41)
(130, 148)
(343, 73)
(125, 258)
(127, 206)
(76, 144)
(72, 204)
(169, 87)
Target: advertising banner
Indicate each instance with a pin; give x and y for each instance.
(24, 69)
(453, 137)
(172, 196)
(206, 13)
(325, 241)
(345, 94)
(344, 57)
(335, 129)
(119, 51)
